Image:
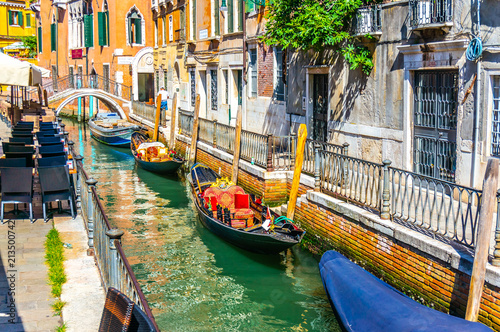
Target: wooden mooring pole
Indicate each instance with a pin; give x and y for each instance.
(299, 158)
(237, 145)
(194, 135)
(157, 118)
(45, 98)
(173, 118)
(488, 200)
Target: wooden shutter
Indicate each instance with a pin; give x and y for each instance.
(39, 39)
(53, 28)
(194, 19)
(230, 16)
(20, 18)
(88, 28)
(216, 14)
(102, 28)
(138, 31)
(240, 15)
(10, 18)
(107, 28)
(28, 20)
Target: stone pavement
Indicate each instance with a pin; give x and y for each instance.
(23, 278)
(83, 293)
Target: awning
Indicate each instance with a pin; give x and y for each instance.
(16, 72)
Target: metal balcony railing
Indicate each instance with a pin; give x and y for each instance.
(368, 20)
(430, 13)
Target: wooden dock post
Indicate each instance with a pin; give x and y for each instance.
(488, 199)
(173, 118)
(46, 98)
(157, 118)
(194, 135)
(237, 145)
(299, 158)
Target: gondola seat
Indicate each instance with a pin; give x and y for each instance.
(235, 199)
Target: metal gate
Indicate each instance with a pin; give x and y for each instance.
(435, 124)
(320, 107)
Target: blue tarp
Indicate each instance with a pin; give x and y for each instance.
(365, 303)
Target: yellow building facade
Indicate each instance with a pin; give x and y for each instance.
(16, 21)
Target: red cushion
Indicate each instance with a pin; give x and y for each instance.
(213, 202)
(241, 201)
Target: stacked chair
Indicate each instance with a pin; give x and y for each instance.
(35, 150)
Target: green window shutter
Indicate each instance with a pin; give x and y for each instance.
(88, 28)
(10, 18)
(216, 14)
(20, 18)
(194, 19)
(100, 28)
(53, 28)
(39, 39)
(107, 28)
(129, 26)
(240, 15)
(28, 20)
(230, 19)
(138, 31)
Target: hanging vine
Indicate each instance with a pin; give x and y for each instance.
(313, 24)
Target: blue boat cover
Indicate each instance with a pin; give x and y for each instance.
(365, 303)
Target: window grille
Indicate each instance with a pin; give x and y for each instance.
(495, 123)
(213, 89)
(253, 72)
(279, 89)
(193, 88)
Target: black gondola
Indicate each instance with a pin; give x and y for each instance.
(169, 166)
(281, 235)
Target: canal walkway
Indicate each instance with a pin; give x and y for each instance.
(25, 298)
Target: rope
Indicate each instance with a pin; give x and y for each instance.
(475, 49)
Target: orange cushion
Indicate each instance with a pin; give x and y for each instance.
(241, 218)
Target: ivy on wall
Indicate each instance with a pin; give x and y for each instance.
(317, 24)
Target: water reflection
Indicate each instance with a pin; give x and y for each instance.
(193, 280)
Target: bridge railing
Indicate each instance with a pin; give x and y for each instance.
(105, 241)
(97, 82)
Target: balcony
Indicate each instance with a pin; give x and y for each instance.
(368, 21)
(431, 14)
(154, 4)
(180, 35)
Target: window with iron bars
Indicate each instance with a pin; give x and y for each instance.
(213, 89)
(193, 87)
(495, 120)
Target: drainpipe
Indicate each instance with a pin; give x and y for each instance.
(475, 160)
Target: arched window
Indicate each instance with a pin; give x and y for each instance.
(134, 27)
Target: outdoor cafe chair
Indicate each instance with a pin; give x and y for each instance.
(47, 134)
(8, 147)
(51, 150)
(52, 161)
(17, 187)
(21, 134)
(55, 187)
(28, 156)
(49, 140)
(49, 131)
(12, 162)
(25, 140)
(49, 125)
(22, 130)
(24, 124)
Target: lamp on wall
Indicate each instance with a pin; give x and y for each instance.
(223, 7)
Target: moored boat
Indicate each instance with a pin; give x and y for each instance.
(238, 218)
(365, 303)
(111, 129)
(154, 156)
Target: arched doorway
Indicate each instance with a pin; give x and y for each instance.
(143, 75)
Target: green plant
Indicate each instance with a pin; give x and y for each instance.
(57, 306)
(62, 328)
(31, 43)
(54, 258)
(313, 24)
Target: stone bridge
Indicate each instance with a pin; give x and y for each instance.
(63, 91)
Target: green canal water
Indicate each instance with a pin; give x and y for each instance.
(193, 280)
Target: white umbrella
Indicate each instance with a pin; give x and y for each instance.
(45, 72)
(16, 72)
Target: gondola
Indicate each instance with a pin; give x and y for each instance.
(363, 302)
(111, 129)
(154, 156)
(239, 218)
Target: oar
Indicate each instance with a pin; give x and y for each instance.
(197, 181)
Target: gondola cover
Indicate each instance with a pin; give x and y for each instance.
(365, 303)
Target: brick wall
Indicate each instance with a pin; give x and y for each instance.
(265, 67)
(421, 276)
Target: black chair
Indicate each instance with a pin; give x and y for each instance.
(49, 140)
(48, 131)
(41, 134)
(22, 134)
(26, 155)
(25, 140)
(51, 150)
(55, 186)
(52, 161)
(22, 130)
(56, 146)
(12, 162)
(8, 147)
(48, 124)
(17, 187)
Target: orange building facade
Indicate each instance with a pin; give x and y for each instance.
(112, 39)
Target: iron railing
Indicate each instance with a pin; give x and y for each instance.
(426, 12)
(98, 82)
(105, 241)
(368, 20)
(308, 164)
